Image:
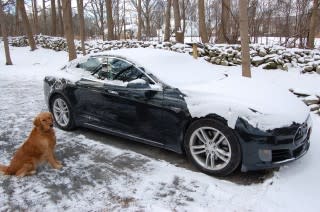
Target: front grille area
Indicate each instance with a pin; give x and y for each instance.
(280, 155)
(297, 151)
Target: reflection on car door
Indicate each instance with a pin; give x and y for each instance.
(91, 104)
(133, 113)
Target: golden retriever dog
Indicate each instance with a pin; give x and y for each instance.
(38, 148)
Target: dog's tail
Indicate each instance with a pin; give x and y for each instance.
(3, 169)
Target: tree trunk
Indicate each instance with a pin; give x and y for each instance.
(118, 28)
(27, 26)
(101, 19)
(124, 20)
(177, 22)
(5, 36)
(183, 16)
(223, 30)
(17, 20)
(68, 29)
(313, 25)
(35, 16)
(60, 18)
(139, 20)
(202, 22)
(44, 16)
(82, 27)
(148, 24)
(109, 20)
(167, 21)
(53, 18)
(244, 30)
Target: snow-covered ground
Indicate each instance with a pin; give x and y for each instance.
(97, 176)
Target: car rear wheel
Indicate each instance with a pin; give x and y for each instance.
(212, 147)
(62, 113)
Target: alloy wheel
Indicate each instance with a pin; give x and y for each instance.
(61, 112)
(210, 148)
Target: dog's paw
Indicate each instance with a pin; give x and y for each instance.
(59, 162)
(58, 166)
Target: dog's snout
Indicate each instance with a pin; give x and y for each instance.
(51, 125)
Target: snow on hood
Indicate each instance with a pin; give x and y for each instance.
(264, 106)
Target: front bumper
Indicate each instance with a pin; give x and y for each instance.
(279, 146)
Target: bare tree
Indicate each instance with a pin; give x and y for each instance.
(223, 29)
(202, 22)
(82, 27)
(68, 29)
(98, 14)
(167, 21)
(53, 18)
(124, 20)
(60, 18)
(183, 15)
(313, 24)
(116, 23)
(26, 24)
(35, 16)
(139, 20)
(109, 19)
(44, 14)
(244, 30)
(17, 20)
(177, 22)
(4, 35)
(147, 11)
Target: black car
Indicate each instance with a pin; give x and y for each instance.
(173, 101)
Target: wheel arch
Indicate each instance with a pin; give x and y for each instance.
(193, 119)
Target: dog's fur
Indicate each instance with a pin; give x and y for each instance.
(38, 148)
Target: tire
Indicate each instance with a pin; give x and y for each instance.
(62, 113)
(212, 147)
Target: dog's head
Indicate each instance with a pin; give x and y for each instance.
(44, 121)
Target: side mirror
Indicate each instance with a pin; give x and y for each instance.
(138, 84)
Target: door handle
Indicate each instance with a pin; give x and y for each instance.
(113, 92)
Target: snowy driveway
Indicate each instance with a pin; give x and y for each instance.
(101, 173)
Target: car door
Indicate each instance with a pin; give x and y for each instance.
(135, 114)
(91, 104)
(89, 95)
(135, 111)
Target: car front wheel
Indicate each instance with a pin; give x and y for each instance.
(212, 147)
(62, 113)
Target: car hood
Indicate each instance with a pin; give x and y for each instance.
(263, 105)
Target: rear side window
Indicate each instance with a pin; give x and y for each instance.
(91, 65)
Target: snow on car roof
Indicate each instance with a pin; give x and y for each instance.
(175, 69)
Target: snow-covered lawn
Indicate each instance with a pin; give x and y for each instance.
(97, 176)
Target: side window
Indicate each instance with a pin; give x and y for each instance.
(133, 73)
(129, 74)
(112, 67)
(91, 65)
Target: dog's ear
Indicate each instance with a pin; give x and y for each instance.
(36, 122)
